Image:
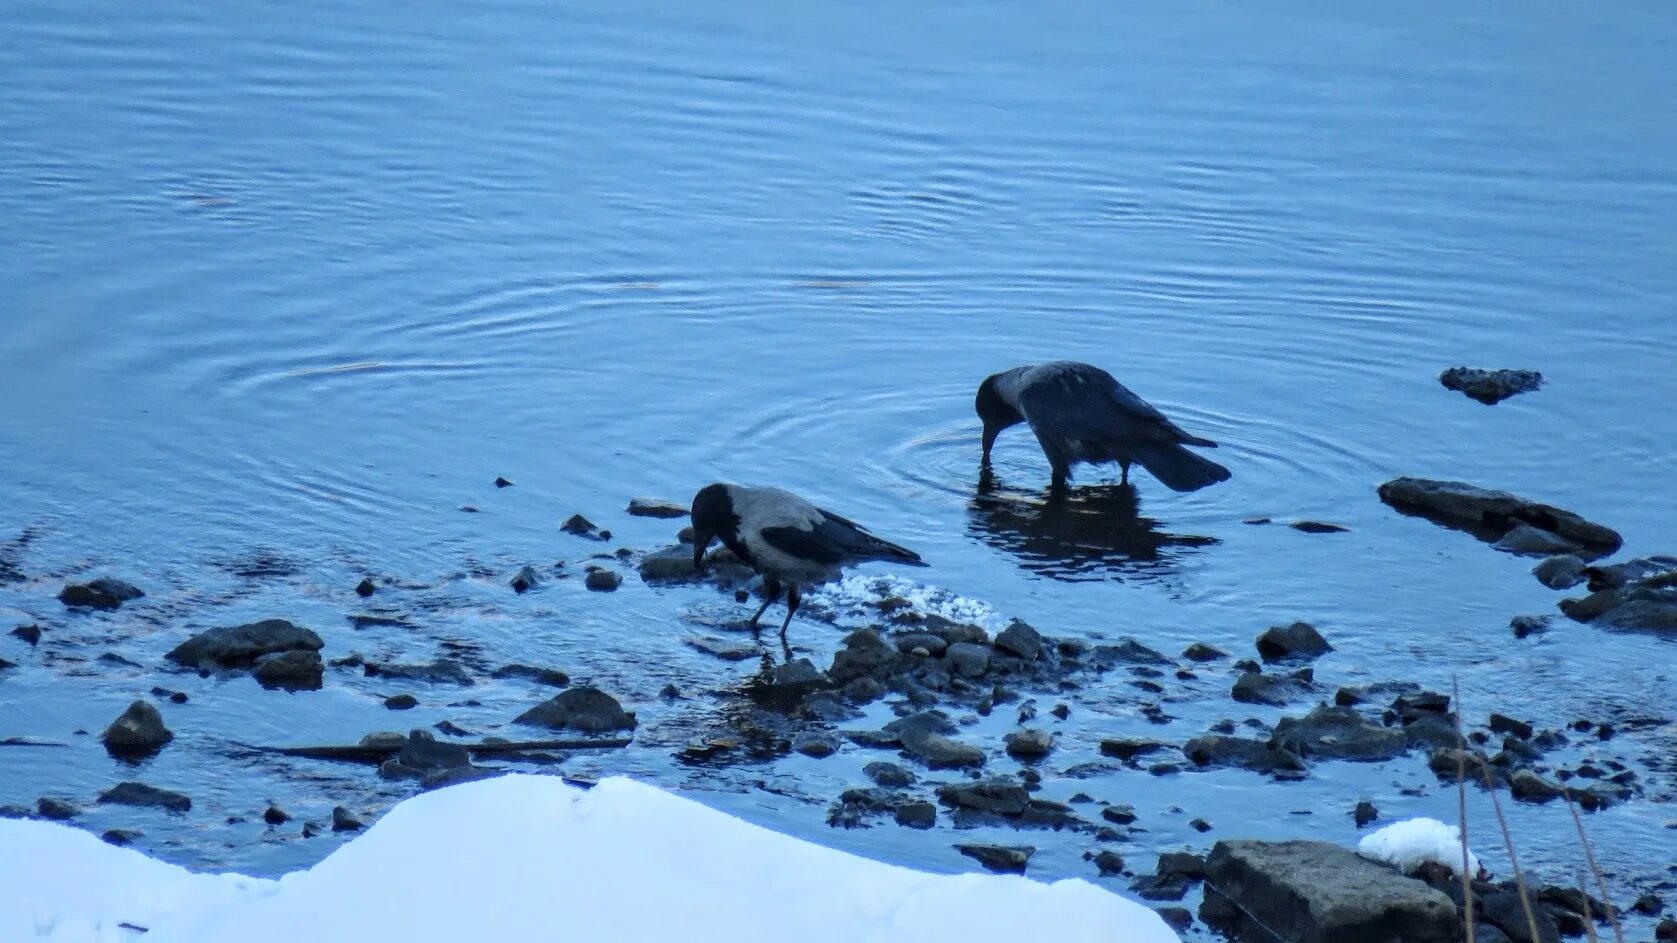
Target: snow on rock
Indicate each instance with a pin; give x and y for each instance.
(1411, 843)
(858, 593)
(525, 857)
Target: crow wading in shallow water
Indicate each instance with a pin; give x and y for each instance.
(785, 538)
(1081, 414)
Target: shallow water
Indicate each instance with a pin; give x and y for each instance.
(295, 282)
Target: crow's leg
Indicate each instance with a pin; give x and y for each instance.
(771, 592)
(793, 597)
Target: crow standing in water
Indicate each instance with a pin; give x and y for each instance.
(1081, 414)
(785, 538)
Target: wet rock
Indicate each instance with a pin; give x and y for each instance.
(668, 565)
(138, 732)
(1128, 651)
(1119, 814)
(1001, 796)
(240, 645)
(1490, 386)
(1199, 651)
(443, 778)
(1630, 572)
(889, 775)
(526, 579)
(140, 794)
(365, 588)
(1648, 905)
(1316, 891)
(29, 633)
(1364, 813)
(652, 507)
(1299, 640)
(424, 753)
(1029, 744)
(1666, 930)
(440, 671)
(1339, 733)
(968, 659)
(102, 593)
(916, 815)
(401, 702)
(1161, 887)
(274, 815)
(602, 581)
(57, 810)
(1179, 919)
(790, 682)
(501, 482)
(924, 644)
(1256, 755)
(552, 677)
(581, 526)
(1002, 859)
(1108, 862)
(815, 744)
(1528, 786)
(939, 752)
(1361, 693)
(1412, 707)
(1560, 572)
(1505, 912)
(120, 837)
(1529, 625)
(1021, 640)
(1528, 541)
(385, 738)
(1125, 748)
(725, 649)
(1274, 690)
(290, 671)
(344, 820)
(589, 710)
(1490, 514)
(864, 691)
(1449, 763)
(1502, 723)
(951, 631)
(1574, 900)
(865, 655)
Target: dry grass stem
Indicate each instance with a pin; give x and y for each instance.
(1595, 869)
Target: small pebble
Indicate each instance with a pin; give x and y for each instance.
(401, 702)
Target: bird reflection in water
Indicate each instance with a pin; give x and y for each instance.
(1093, 532)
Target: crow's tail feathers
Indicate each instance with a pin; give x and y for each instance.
(1178, 468)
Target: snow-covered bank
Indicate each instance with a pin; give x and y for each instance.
(529, 858)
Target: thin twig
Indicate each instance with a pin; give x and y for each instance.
(1461, 810)
(1600, 882)
(1589, 915)
(1508, 842)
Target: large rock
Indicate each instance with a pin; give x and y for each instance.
(1001, 796)
(290, 671)
(1528, 541)
(140, 794)
(1256, 755)
(1316, 892)
(652, 507)
(102, 593)
(1299, 640)
(939, 752)
(1274, 690)
(1560, 572)
(968, 658)
(1020, 639)
(139, 731)
(239, 646)
(440, 671)
(1637, 596)
(589, 710)
(1507, 913)
(1490, 386)
(1490, 515)
(1002, 859)
(1339, 733)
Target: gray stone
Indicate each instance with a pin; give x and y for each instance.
(951, 631)
(138, 732)
(725, 649)
(1256, 755)
(388, 739)
(1127, 748)
(1299, 640)
(526, 579)
(1560, 572)
(1020, 639)
(295, 670)
(889, 775)
(1528, 786)
(864, 690)
(1506, 912)
(916, 815)
(140, 794)
(932, 645)
(580, 526)
(863, 660)
(968, 658)
(1490, 386)
(1108, 862)
(1364, 813)
(241, 645)
(652, 507)
(1128, 651)
(344, 820)
(102, 593)
(794, 679)
(120, 837)
(57, 810)
(1529, 625)
(589, 710)
(1528, 541)
(552, 677)
(602, 581)
(440, 671)
(1273, 690)
(1002, 796)
(1029, 744)
(274, 815)
(1316, 892)
(668, 565)
(365, 588)
(1199, 651)
(1002, 859)
(939, 752)
(1490, 514)
(401, 702)
(933, 721)
(1339, 733)
(815, 744)
(423, 753)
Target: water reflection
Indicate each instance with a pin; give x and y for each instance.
(1090, 532)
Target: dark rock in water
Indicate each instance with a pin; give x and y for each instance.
(889, 775)
(1316, 891)
(581, 526)
(1412, 707)
(140, 794)
(968, 659)
(1560, 572)
(365, 588)
(1119, 814)
(102, 593)
(1020, 639)
(815, 744)
(926, 644)
(1127, 748)
(1318, 527)
(401, 702)
(1107, 862)
(916, 815)
(1666, 931)
(1489, 515)
(1274, 690)
(138, 732)
(443, 778)
(1449, 763)
(1185, 864)
(1002, 859)
(1360, 693)
(1490, 386)
(1299, 640)
(1638, 596)
(1649, 905)
(1029, 744)
(1161, 887)
(240, 645)
(583, 708)
(865, 655)
(1199, 651)
(1502, 723)
(437, 672)
(939, 752)
(344, 820)
(424, 753)
(1528, 541)
(652, 507)
(502, 482)
(725, 649)
(57, 810)
(1339, 733)
(1364, 813)
(1529, 625)
(1002, 796)
(864, 691)
(29, 633)
(789, 683)
(120, 837)
(274, 815)
(1615, 575)
(1505, 912)
(602, 581)
(548, 676)
(1128, 651)
(1179, 919)
(525, 579)
(1255, 755)
(1528, 786)
(291, 671)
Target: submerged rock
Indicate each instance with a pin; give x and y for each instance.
(1255, 755)
(939, 752)
(549, 676)
(56, 810)
(1638, 596)
(586, 709)
(138, 732)
(1528, 541)
(239, 646)
(1560, 572)
(526, 579)
(140, 794)
(102, 593)
(602, 581)
(291, 671)
(440, 671)
(1316, 891)
(1274, 690)
(652, 507)
(1200, 651)
(889, 775)
(1490, 515)
(1490, 386)
(1029, 744)
(1339, 733)
(1299, 640)
(1002, 859)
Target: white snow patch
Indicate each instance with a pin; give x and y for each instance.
(857, 594)
(1414, 842)
(528, 858)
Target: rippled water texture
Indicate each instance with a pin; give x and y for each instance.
(296, 281)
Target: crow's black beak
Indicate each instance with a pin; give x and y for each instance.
(990, 433)
(700, 542)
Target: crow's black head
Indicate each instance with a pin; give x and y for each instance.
(994, 412)
(713, 517)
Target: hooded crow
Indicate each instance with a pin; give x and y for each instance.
(1081, 414)
(785, 538)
